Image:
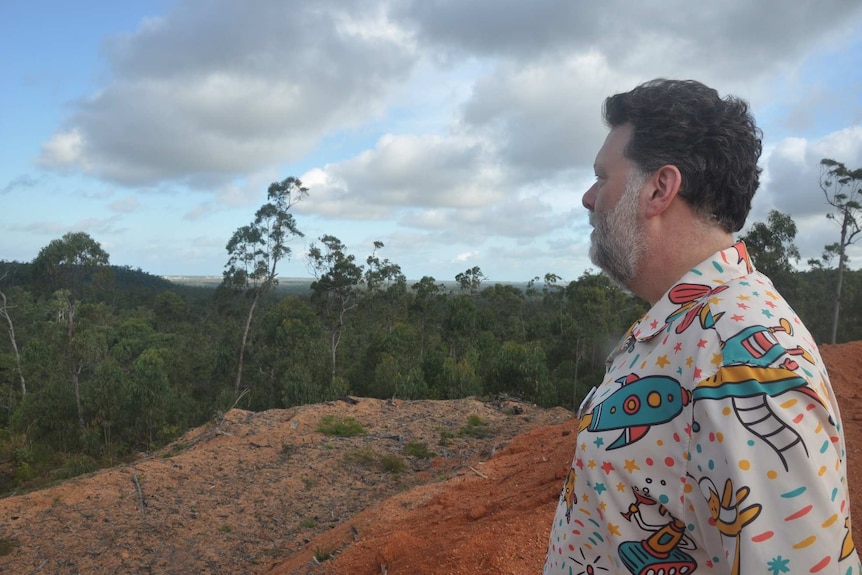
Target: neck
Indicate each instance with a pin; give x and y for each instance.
(672, 251)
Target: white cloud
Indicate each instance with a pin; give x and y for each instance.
(63, 150)
(792, 185)
(465, 257)
(212, 91)
(407, 171)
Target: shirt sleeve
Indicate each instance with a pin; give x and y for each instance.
(766, 485)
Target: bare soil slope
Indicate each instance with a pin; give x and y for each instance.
(267, 493)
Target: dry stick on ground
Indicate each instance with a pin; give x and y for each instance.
(477, 472)
(140, 493)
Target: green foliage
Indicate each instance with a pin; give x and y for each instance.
(522, 369)
(458, 377)
(308, 523)
(475, 427)
(418, 449)
(340, 426)
(335, 290)
(470, 280)
(446, 437)
(391, 366)
(474, 420)
(364, 458)
(74, 262)
(392, 463)
(771, 244)
(77, 465)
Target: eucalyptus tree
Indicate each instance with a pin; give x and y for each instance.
(771, 244)
(5, 306)
(600, 311)
(294, 357)
(773, 251)
(335, 291)
(385, 288)
(428, 304)
(255, 250)
(842, 188)
(70, 267)
(470, 280)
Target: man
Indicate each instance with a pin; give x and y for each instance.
(714, 443)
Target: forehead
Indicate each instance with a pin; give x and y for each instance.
(612, 151)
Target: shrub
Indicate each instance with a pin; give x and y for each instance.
(418, 449)
(321, 554)
(392, 463)
(475, 427)
(340, 427)
(76, 465)
(446, 437)
(363, 457)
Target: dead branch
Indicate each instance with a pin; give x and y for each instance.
(477, 472)
(140, 493)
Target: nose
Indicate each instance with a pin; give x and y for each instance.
(589, 199)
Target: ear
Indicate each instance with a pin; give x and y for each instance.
(665, 185)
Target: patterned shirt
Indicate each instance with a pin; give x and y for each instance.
(713, 445)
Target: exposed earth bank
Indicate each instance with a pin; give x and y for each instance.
(269, 493)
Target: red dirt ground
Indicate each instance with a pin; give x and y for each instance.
(266, 493)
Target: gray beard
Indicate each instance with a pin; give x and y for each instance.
(616, 241)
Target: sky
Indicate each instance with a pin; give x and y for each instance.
(459, 133)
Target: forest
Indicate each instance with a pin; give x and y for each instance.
(99, 363)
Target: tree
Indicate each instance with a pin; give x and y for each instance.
(771, 244)
(335, 290)
(428, 304)
(150, 394)
(470, 280)
(4, 313)
(256, 249)
(385, 289)
(294, 357)
(70, 265)
(842, 188)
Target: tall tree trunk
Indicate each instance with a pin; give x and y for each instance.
(77, 387)
(74, 366)
(4, 312)
(242, 345)
(836, 309)
(334, 336)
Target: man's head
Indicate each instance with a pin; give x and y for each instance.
(713, 141)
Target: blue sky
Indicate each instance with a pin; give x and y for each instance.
(459, 133)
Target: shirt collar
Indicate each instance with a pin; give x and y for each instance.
(688, 299)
